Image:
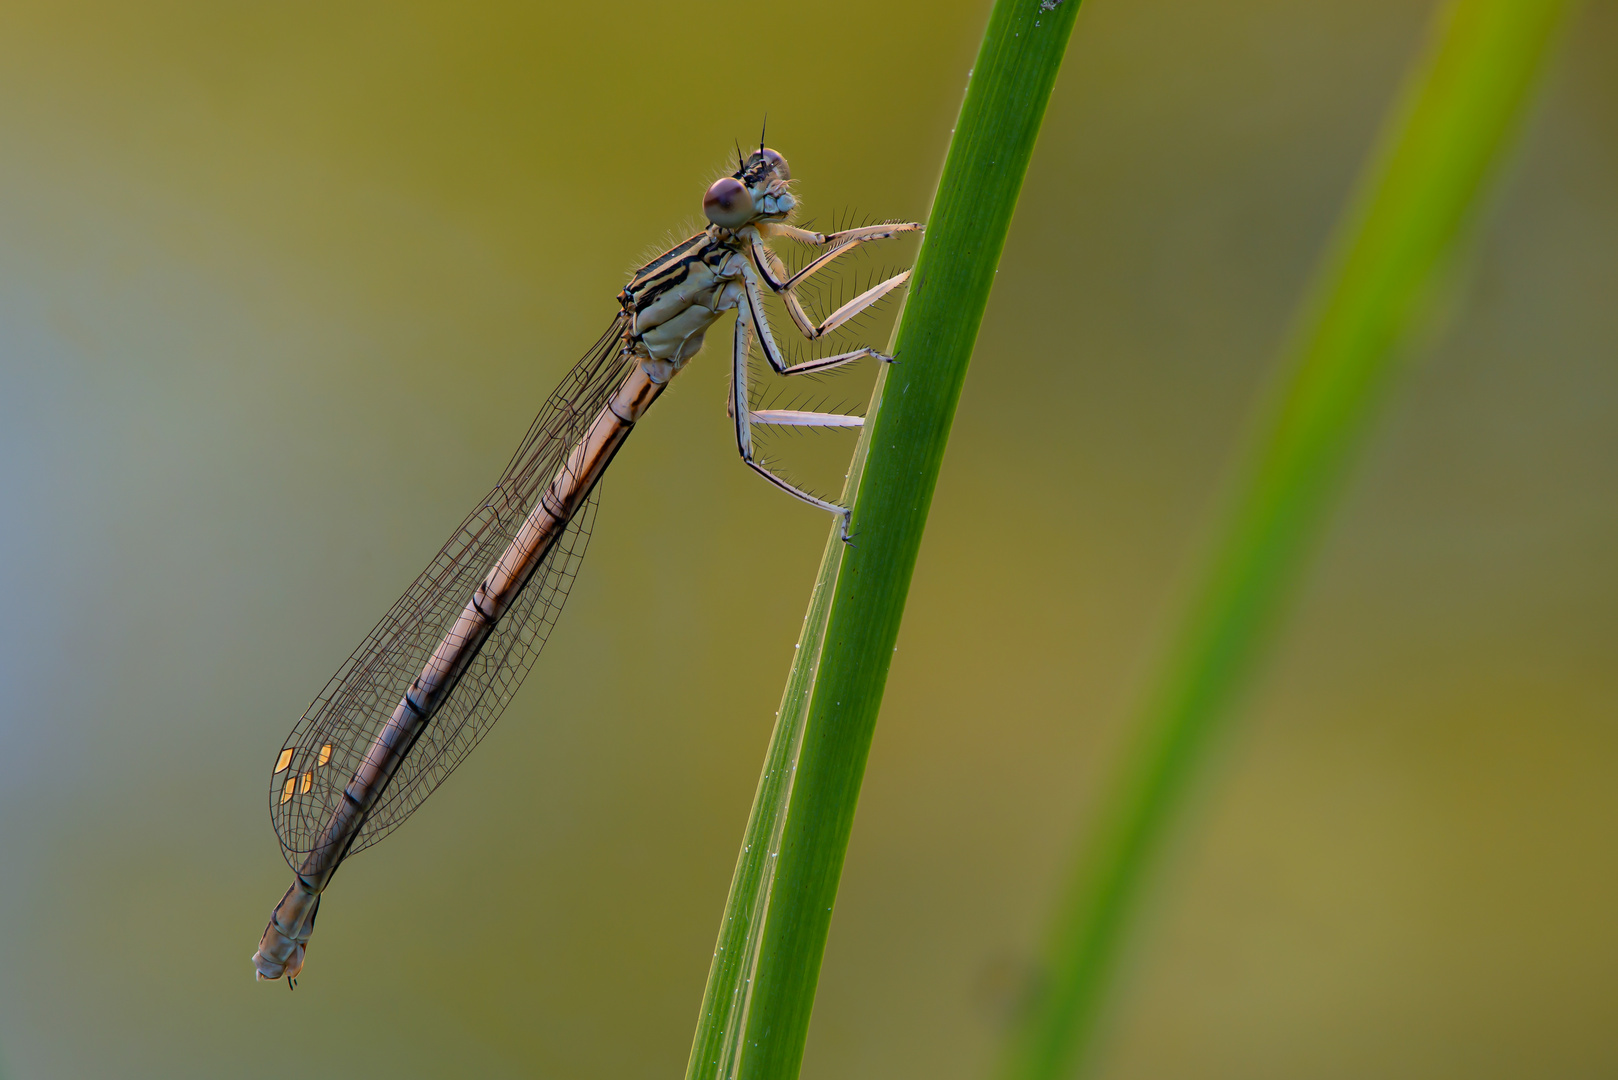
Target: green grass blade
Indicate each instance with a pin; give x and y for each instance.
(761, 987)
(1449, 130)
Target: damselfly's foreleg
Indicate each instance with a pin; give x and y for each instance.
(846, 236)
(770, 268)
(746, 417)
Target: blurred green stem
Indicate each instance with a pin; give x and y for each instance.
(1447, 133)
(761, 987)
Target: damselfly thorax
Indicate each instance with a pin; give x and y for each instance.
(432, 677)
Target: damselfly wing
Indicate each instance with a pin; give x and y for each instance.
(332, 737)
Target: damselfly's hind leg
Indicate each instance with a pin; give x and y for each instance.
(746, 417)
(773, 273)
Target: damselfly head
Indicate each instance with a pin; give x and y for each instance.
(757, 191)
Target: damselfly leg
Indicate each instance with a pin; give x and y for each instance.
(751, 318)
(746, 417)
(839, 243)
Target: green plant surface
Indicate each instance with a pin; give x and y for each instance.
(1444, 138)
(761, 987)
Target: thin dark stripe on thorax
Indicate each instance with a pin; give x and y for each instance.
(668, 270)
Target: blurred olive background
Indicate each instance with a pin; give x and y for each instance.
(281, 287)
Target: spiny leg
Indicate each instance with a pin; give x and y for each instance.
(746, 417)
(840, 244)
(769, 268)
(844, 313)
(753, 300)
(861, 234)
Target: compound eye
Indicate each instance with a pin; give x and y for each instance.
(778, 163)
(728, 203)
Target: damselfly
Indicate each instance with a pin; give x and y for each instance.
(432, 677)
